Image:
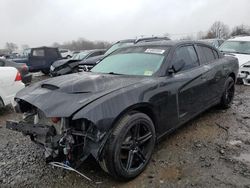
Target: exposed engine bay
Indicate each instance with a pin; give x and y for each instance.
(63, 139)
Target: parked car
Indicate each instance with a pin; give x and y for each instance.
(66, 53)
(89, 63)
(67, 66)
(21, 67)
(40, 59)
(128, 101)
(239, 47)
(214, 42)
(10, 84)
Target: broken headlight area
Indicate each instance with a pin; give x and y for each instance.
(62, 139)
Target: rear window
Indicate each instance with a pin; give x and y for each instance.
(38, 52)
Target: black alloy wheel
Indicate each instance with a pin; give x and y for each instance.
(228, 94)
(130, 147)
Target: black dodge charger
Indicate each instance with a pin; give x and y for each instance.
(119, 110)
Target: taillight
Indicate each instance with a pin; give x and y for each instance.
(18, 76)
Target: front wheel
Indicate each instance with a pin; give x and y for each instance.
(228, 94)
(129, 147)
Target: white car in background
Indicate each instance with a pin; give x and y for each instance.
(240, 48)
(10, 84)
(66, 53)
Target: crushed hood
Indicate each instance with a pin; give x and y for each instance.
(64, 95)
(92, 60)
(61, 62)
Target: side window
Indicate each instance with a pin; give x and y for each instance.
(38, 52)
(206, 54)
(188, 55)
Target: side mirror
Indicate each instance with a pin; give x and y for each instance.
(177, 67)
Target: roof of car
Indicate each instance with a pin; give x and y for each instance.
(143, 39)
(95, 50)
(170, 43)
(240, 38)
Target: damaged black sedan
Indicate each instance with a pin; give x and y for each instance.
(119, 110)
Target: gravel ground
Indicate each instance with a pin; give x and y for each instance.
(213, 150)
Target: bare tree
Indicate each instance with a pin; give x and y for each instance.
(240, 30)
(82, 44)
(200, 35)
(218, 30)
(11, 46)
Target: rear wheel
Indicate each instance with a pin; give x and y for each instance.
(130, 146)
(228, 94)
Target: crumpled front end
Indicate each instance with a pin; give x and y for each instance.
(244, 73)
(63, 139)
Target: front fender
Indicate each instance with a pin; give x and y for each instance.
(104, 111)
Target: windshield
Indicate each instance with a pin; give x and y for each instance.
(132, 63)
(80, 56)
(241, 47)
(116, 46)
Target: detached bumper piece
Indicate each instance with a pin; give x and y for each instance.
(36, 130)
(244, 77)
(43, 135)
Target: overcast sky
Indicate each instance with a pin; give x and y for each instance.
(43, 22)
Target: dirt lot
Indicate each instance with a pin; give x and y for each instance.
(213, 150)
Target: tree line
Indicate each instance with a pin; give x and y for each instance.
(217, 30)
(220, 30)
(82, 44)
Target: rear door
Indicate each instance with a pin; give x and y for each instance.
(191, 93)
(213, 74)
(184, 91)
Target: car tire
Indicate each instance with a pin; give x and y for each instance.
(129, 147)
(228, 93)
(68, 56)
